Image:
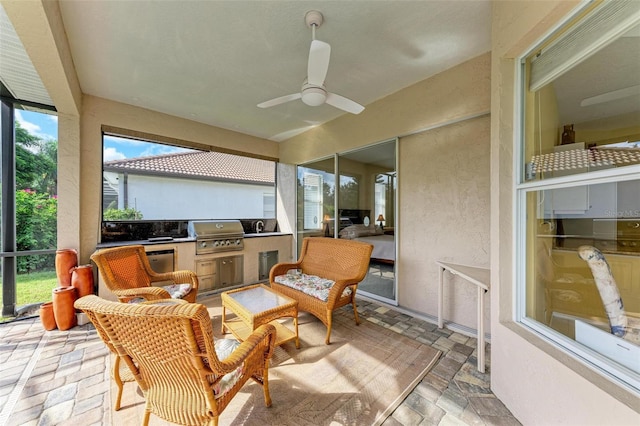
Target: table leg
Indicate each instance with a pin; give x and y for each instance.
(295, 324)
(480, 348)
(440, 296)
(223, 317)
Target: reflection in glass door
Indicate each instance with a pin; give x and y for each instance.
(316, 199)
(365, 209)
(366, 203)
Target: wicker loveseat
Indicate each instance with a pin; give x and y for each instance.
(325, 277)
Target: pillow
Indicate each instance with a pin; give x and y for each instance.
(224, 348)
(355, 231)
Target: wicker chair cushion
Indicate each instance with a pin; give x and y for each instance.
(178, 291)
(224, 348)
(309, 284)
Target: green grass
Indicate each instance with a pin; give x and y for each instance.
(35, 287)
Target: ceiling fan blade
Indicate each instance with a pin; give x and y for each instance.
(319, 55)
(344, 104)
(280, 100)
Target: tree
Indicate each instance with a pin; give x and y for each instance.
(36, 162)
(25, 158)
(36, 224)
(36, 201)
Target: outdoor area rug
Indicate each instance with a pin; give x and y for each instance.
(359, 379)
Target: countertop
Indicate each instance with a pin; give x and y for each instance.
(179, 240)
(267, 234)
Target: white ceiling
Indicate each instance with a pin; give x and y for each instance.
(214, 61)
(595, 76)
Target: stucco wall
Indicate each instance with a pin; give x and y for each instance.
(539, 384)
(444, 215)
(443, 178)
(193, 199)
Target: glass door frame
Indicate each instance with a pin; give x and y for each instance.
(335, 222)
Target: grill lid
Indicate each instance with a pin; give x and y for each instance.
(214, 228)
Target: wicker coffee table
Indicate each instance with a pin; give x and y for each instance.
(256, 305)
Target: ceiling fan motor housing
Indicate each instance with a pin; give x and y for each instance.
(313, 17)
(313, 95)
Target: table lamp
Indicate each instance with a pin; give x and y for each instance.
(326, 219)
(381, 219)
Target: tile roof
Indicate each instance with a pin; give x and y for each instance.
(201, 164)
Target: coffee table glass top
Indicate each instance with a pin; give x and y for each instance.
(259, 299)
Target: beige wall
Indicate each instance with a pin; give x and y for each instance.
(539, 384)
(443, 178)
(444, 215)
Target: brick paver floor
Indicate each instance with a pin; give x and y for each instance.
(63, 377)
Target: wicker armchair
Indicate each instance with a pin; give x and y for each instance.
(344, 261)
(127, 273)
(120, 373)
(176, 362)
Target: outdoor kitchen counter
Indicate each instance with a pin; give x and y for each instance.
(185, 257)
(181, 240)
(144, 242)
(267, 234)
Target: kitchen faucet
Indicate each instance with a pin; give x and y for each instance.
(259, 226)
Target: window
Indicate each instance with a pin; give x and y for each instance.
(316, 199)
(385, 188)
(312, 184)
(144, 180)
(578, 193)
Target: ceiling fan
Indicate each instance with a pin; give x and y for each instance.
(313, 92)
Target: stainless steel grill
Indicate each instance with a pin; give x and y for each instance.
(214, 236)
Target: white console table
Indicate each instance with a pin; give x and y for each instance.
(481, 278)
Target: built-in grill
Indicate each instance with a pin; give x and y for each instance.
(214, 236)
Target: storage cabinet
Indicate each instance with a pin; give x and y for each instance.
(219, 272)
(229, 271)
(206, 272)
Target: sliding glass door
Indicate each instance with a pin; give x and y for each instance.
(366, 206)
(362, 207)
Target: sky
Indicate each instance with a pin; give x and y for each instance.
(45, 127)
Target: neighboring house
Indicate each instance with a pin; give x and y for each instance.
(215, 185)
